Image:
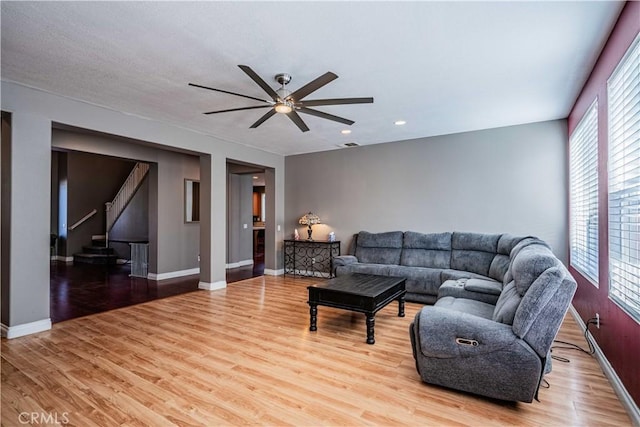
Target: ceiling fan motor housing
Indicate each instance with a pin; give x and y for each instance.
(283, 78)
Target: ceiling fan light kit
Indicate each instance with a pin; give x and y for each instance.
(290, 103)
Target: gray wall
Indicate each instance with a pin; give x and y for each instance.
(510, 179)
(29, 216)
(178, 243)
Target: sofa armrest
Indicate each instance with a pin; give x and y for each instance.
(476, 289)
(344, 260)
(444, 333)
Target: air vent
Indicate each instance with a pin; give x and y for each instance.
(350, 144)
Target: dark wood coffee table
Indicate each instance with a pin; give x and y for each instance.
(364, 293)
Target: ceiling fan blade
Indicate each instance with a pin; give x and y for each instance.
(256, 78)
(336, 101)
(230, 93)
(313, 86)
(325, 116)
(295, 118)
(262, 119)
(237, 109)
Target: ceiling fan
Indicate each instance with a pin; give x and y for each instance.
(290, 103)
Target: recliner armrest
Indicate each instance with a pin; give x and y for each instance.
(444, 333)
(344, 260)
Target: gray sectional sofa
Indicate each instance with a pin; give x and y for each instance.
(429, 260)
(498, 303)
(502, 349)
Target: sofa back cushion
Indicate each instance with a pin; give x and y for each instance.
(529, 263)
(527, 241)
(500, 263)
(535, 301)
(379, 248)
(473, 252)
(426, 250)
(543, 307)
(507, 304)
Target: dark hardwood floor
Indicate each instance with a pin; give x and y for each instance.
(82, 289)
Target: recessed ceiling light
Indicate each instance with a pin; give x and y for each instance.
(345, 131)
(399, 122)
(255, 177)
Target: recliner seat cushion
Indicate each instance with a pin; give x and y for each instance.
(464, 305)
(379, 248)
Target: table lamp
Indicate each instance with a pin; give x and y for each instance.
(309, 220)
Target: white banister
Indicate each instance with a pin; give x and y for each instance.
(126, 192)
(83, 219)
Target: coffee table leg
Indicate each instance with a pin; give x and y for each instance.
(313, 311)
(370, 324)
(401, 306)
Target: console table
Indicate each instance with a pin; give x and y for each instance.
(310, 257)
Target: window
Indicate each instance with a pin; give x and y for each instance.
(583, 182)
(623, 91)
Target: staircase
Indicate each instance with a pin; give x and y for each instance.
(99, 252)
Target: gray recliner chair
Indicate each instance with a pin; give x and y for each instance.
(499, 350)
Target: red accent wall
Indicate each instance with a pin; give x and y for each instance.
(619, 334)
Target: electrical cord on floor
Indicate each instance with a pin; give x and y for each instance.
(572, 346)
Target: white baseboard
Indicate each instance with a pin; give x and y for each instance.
(212, 286)
(61, 258)
(610, 373)
(173, 274)
(270, 272)
(239, 264)
(10, 332)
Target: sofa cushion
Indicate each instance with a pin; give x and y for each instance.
(421, 280)
(529, 264)
(473, 252)
(507, 304)
(377, 269)
(464, 305)
(527, 241)
(379, 248)
(499, 267)
(426, 250)
(543, 308)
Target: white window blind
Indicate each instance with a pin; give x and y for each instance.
(583, 182)
(623, 93)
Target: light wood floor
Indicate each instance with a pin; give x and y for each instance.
(245, 356)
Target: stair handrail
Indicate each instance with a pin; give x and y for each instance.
(83, 219)
(115, 207)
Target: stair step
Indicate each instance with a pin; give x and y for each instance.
(85, 258)
(97, 249)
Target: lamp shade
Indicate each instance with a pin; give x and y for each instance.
(309, 219)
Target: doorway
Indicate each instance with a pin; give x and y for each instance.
(247, 220)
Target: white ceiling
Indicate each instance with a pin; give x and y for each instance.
(444, 67)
